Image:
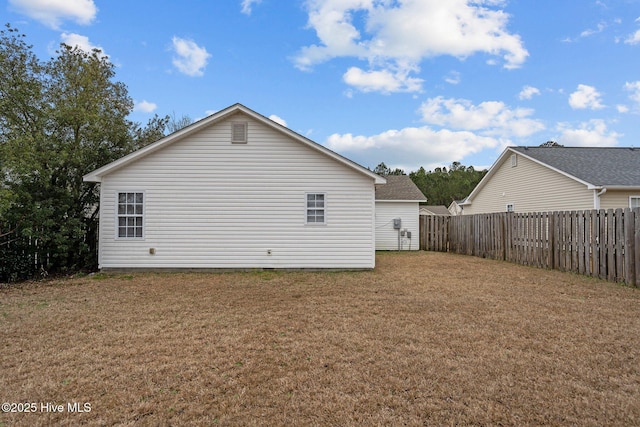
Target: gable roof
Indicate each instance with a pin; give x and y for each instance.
(96, 175)
(594, 167)
(399, 188)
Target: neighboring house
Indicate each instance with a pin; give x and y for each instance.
(434, 210)
(236, 190)
(540, 179)
(455, 208)
(397, 214)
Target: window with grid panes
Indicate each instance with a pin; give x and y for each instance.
(130, 215)
(315, 208)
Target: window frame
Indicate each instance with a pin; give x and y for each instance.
(634, 198)
(512, 205)
(308, 208)
(134, 215)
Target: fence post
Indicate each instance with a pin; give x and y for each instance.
(595, 243)
(588, 244)
(636, 245)
(629, 250)
(550, 240)
(619, 236)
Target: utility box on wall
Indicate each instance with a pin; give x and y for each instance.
(397, 209)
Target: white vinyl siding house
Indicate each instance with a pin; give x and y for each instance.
(215, 196)
(390, 239)
(543, 179)
(398, 200)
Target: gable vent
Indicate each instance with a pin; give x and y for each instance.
(239, 132)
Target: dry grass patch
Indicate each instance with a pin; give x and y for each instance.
(425, 339)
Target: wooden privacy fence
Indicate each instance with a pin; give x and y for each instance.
(597, 243)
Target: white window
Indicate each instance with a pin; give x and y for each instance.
(239, 132)
(315, 208)
(514, 160)
(130, 215)
(510, 207)
(634, 202)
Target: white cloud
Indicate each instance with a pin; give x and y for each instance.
(490, 118)
(589, 32)
(397, 36)
(633, 38)
(278, 120)
(593, 133)
(189, 58)
(247, 6)
(585, 97)
(634, 88)
(622, 108)
(527, 92)
(81, 42)
(52, 12)
(453, 78)
(145, 106)
(385, 81)
(426, 147)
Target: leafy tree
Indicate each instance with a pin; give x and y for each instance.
(153, 131)
(384, 170)
(59, 119)
(22, 121)
(551, 144)
(442, 186)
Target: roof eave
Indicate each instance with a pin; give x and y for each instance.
(401, 200)
(615, 187)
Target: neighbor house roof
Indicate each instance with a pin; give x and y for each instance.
(598, 166)
(595, 167)
(96, 175)
(399, 188)
(435, 210)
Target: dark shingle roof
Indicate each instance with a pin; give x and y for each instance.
(595, 165)
(399, 187)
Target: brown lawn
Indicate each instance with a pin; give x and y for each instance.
(426, 339)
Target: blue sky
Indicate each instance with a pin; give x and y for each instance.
(407, 82)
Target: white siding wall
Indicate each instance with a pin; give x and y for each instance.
(213, 204)
(531, 188)
(386, 236)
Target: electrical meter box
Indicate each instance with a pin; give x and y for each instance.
(397, 223)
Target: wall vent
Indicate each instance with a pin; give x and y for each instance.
(239, 132)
